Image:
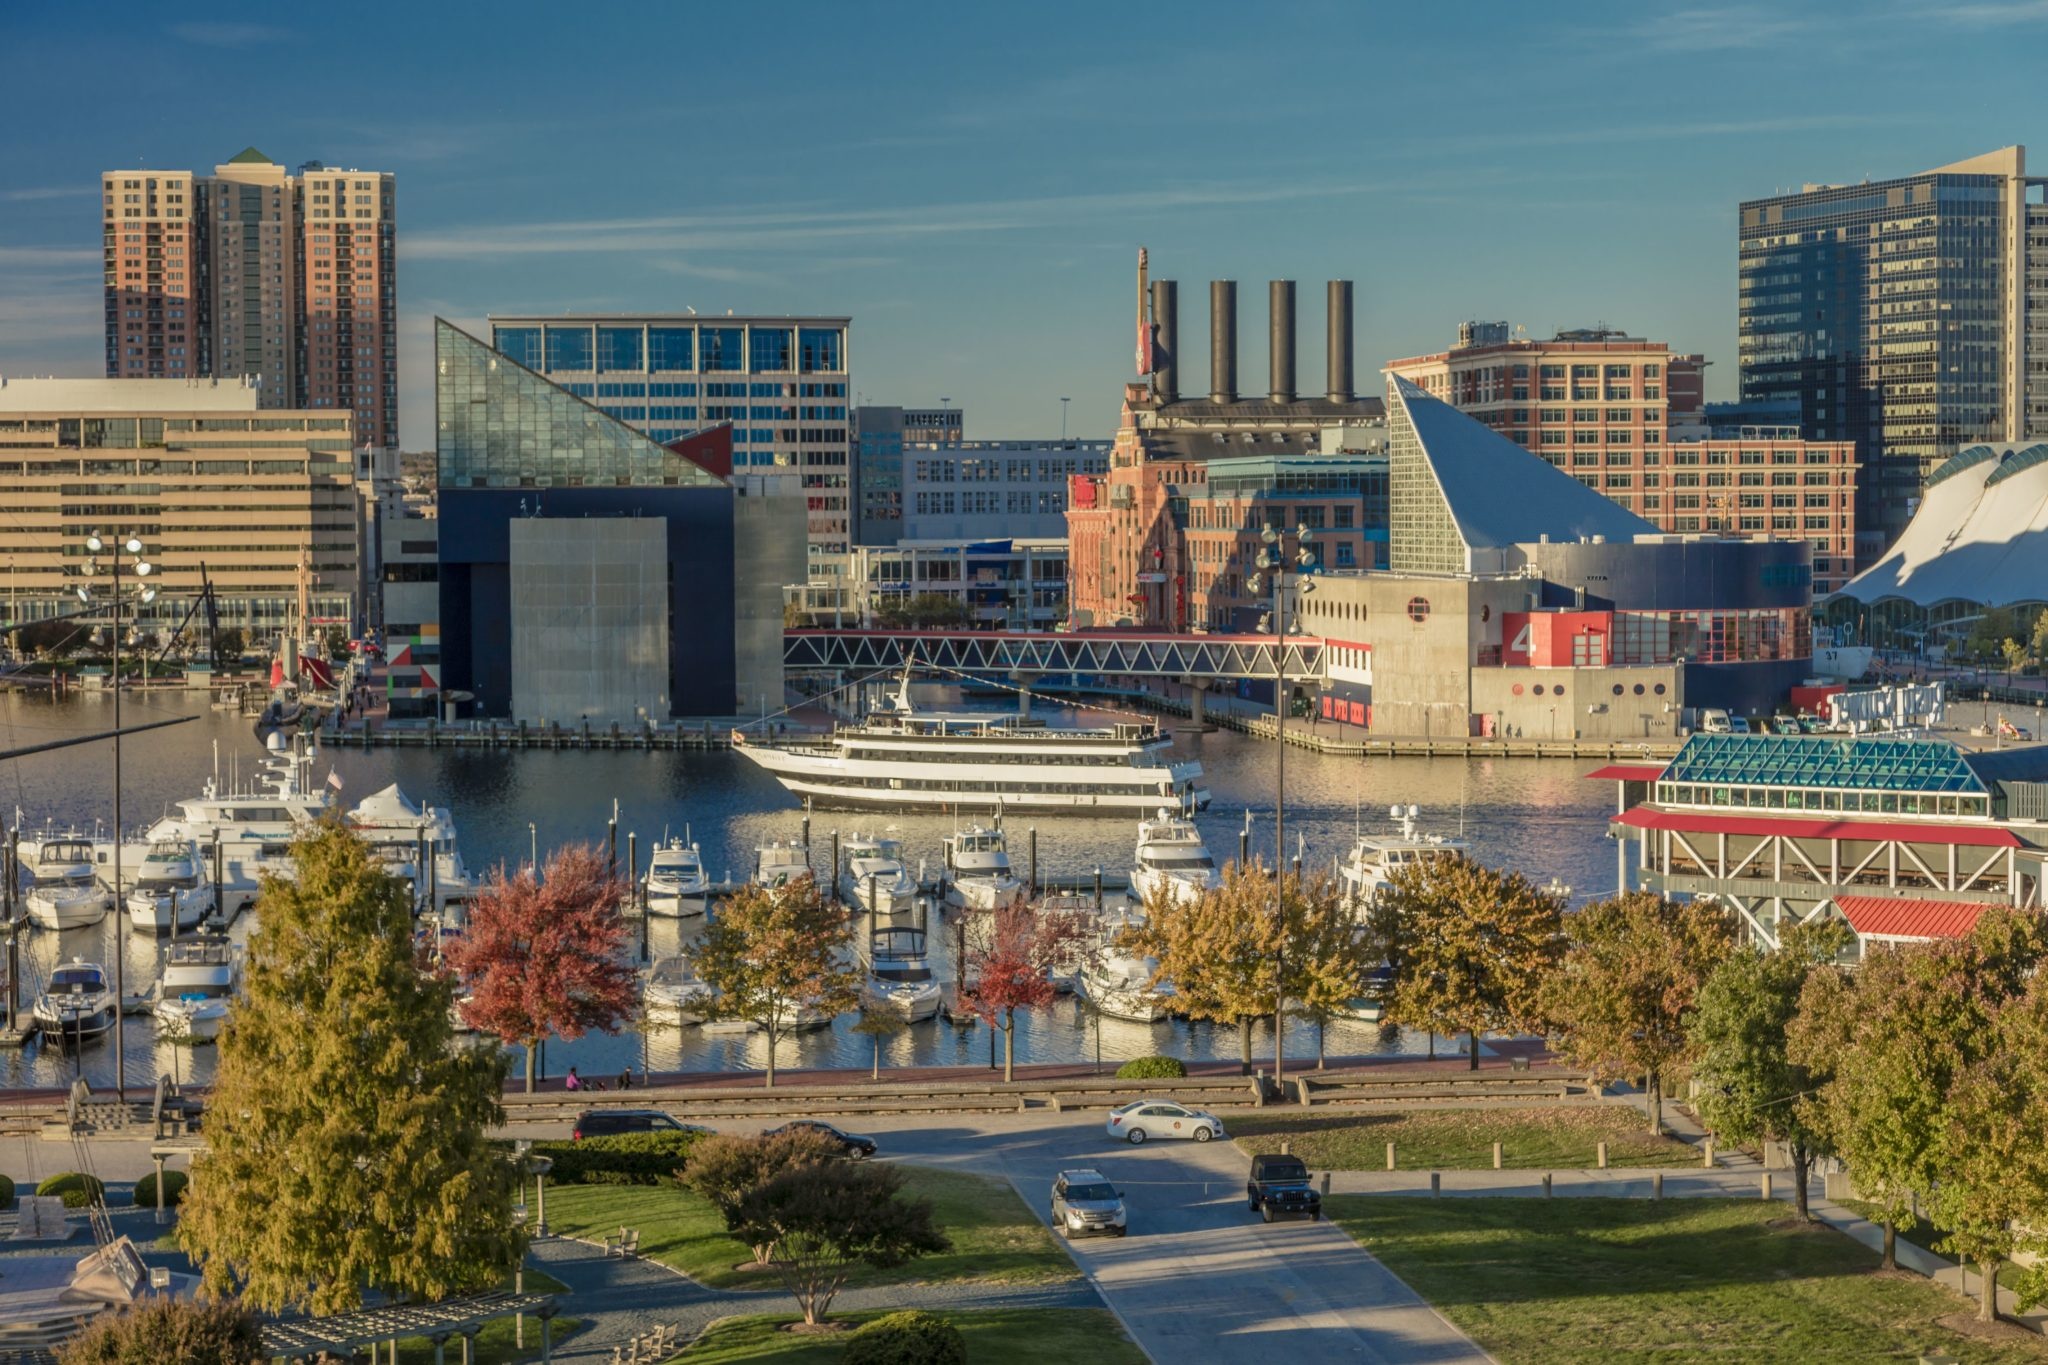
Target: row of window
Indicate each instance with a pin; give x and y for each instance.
(657, 349)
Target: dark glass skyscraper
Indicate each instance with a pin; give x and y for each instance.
(1900, 314)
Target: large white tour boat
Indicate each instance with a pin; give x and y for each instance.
(899, 758)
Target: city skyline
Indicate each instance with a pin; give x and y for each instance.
(978, 219)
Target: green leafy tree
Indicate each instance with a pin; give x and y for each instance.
(164, 1331)
(828, 1218)
(228, 644)
(1622, 997)
(770, 954)
(49, 637)
(724, 1170)
(2038, 636)
(878, 1026)
(346, 1144)
(1751, 1087)
(924, 611)
(1475, 946)
(1218, 950)
(2020, 1094)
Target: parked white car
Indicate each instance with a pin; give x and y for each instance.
(1142, 1119)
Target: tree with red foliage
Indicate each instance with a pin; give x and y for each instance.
(1014, 961)
(547, 957)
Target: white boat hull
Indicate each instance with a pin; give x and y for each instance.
(914, 1003)
(1841, 663)
(1108, 996)
(197, 1022)
(683, 1009)
(68, 907)
(1146, 883)
(67, 1022)
(985, 893)
(676, 904)
(154, 914)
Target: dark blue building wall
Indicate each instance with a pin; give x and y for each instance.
(1689, 575)
(476, 586)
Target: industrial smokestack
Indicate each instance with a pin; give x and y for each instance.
(1340, 341)
(1280, 339)
(1166, 333)
(1223, 341)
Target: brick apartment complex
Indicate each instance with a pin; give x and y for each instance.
(1626, 416)
(253, 272)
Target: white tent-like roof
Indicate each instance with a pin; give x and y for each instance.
(1980, 536)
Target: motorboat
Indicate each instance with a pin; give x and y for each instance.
(779, 864)
(673, 988)
(899, 977)
(900, 758)
(248, 827)
(676, 884)
(875, 880)
(1119, 982)
(1172, 860)
(417, 842)
(78, 1003)
(978, 875)
(66, 893)
(201, 977)
(1374, 858)
(173, 892)
(1075, 948)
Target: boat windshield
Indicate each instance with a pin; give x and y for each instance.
(76, 979)
(64, 877)
(1178, 859)
(909, 976)
(671, 971)
(66, 852)
(163, 883)
(209, 990)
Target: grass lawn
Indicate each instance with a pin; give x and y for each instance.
(1924, 1235)
(493, 1344)
(1462, 1139)
(995, 1238)
(995, 1336)
(1566, 1280)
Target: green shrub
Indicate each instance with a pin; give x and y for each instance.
(219, 1331)
(6, 1192)
(912, 1337)
(174, 1190)
(1151, 1069)
(78, 1190)
(620, 1159)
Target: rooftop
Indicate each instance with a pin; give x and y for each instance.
(1861, 763)
(126, 395)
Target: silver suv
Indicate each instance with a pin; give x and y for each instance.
(1085, 1202)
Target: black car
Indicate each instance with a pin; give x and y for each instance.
(1280, 1185)
(855, 1145)
(611, 1122)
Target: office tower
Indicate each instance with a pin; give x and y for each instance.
(1908, 315)
(781, 382)
(254, 272)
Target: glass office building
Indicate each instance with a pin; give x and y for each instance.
(1909, 316)
(781, 384)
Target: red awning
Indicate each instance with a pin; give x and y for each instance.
(1891, 917)
(1792, 826)
(1628, 772)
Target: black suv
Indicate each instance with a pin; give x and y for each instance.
(855, 1145)
(611, 1122)
(1280, 1184)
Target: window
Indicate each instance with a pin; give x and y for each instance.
(568, 348)
(770, 349)
(521, 345)
(670, 348)
(618, 348)
(821, 348)
(721, 350)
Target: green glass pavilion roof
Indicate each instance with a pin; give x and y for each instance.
(1869, 763)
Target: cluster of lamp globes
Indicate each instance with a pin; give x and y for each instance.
(133, 547)
(1271, 558)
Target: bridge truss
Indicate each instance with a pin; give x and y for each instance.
(1198, 657)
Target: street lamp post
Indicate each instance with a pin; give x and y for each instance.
(533, 842)
(1273, 559)
(115, 548)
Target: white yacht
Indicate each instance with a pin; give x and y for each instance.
(676, 884)
(1375, 857)
(1118, 982)
(400, 831)
(1076, 947)
(253, 823)
(899, 976)
(673, 988)
(978, 875)
(875, 880)
(201, 977)
(172, 892)
(1172, 860)
(78, 1003)
(65, 893)
(779, 864)
(899, 758)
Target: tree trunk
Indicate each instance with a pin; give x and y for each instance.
(775, 1034)
(1322, 1027)
(1474, 1055)
(1987, 1296)
(1654, 1084)
(877, 1073)
(1891, 1244)
(1244, 1044)
(1802, 1166)
(532, 1046)
(1009, 1045)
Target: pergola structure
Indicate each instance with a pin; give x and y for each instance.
(345, 1334)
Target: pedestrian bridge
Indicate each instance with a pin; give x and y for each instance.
(1126, 654)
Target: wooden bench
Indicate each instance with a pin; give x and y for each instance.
(626, 1243)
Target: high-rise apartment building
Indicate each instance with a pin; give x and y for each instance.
(781, 382)
(1909, 316)
(254, 272)
(1626, 416)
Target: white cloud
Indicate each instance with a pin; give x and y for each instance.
(49, 192)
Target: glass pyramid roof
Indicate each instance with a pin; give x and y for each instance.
(1866, 763)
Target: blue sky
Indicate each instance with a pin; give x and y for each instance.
(971, 182)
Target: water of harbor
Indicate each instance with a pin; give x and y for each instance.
(1540, 816)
